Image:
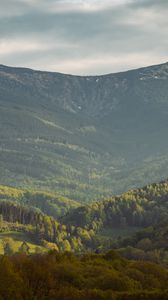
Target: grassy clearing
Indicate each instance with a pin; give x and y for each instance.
(119, 232)
(18, 238)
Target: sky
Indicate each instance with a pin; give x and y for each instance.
(83, 37)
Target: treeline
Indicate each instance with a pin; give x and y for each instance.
(43, 227)
(79, 229)
(149, 244)
(88, 277)
(49, 203)
(140, 208)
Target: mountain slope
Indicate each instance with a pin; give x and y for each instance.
(49, 203)
(103, 134)
(140, 207)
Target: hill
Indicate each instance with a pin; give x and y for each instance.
(140, 207)
(134, 222)
(72, 134)
(52, 204)
(110, 223)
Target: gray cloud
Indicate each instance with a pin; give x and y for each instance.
(83, 37)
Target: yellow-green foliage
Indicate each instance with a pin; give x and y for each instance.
(10, 192)
(53, 204)
(16, 239)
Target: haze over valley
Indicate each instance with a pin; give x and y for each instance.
(83, 150)
(104, 134)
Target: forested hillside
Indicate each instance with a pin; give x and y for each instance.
(72, 134)
(137, 218)
(140, 273)
(139, 207)
(44, 230)
(52, 204)
(36, 215)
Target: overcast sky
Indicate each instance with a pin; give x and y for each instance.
(83, 36)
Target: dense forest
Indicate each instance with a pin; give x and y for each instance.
(50, 203)
(88, 277)
(80, 252)
(139, 207)
(134, 222)
(44, 228)
(149, 244)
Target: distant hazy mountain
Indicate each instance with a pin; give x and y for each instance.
(83, 136)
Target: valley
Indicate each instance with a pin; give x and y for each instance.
(83, 188)
(72, 134)
(135, 222)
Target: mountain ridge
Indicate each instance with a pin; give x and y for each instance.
(77, 75)
(72, 133)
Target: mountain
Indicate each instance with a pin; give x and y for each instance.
(83, 137)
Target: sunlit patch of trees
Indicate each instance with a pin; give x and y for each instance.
(140, 207)
(44, 228)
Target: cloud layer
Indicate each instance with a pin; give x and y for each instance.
(83, 36)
